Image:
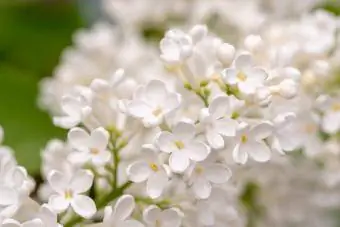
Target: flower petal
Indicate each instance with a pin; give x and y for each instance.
(81, 181)
(10, 223)
(261, 131)
(138, 171)
(123, 207)
(131, 223)
(156, 92)
(99, 138)
(202, 188)
(101, 158)
(259, 151)
(220, 107)
(170, 217)
(156, 184)
(58, 181)
(58, 203)
(331, 122)
(83, 206)
(217, 173)
(78, 138)
(33, 223)
(178, 161)
(226, 127)
(166, 142)
(8, 196)
(184, 131)
(151, 214)
(244, 61)
(230, 76)
(239, 154)
(197, 151)
(214, 139)
(139, 109)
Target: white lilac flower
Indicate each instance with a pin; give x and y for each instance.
(120, 214)
(69, 192)
(283, 139)
(89, 147)
(331, 119)
(250, 142)
(155, 217)
(176, 46)
(14, 223)
(204, 174)
(244, 75)
(217, 121)
(76, 109)
(182, 146)
(149, 169)
(153, 102)
(13, 182)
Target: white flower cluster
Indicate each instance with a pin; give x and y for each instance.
(180, 135)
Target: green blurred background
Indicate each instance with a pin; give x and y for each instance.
(32, 36)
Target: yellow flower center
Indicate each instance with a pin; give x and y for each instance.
(157, 112)
(199, 170)
(310, 128)
(336, 107)
(179, 144)
(244, 138)
(68, 194)
(241, 76)
(94, 151)
(154, 167)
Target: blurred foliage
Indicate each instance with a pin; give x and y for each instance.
(32, 36)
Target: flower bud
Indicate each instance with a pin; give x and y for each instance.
(288, 88)
(198, 32)
(253, 43)
(225, 53)
(263, 96)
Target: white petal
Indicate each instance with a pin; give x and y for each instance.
(185, 131)
(34, 223)
(166, 142)
(259, 151)
(178, 161)
(79, 157)
(257, 75)
(78, 138)
(288, 141)
(139, 109)
(170, 217)
(230, 76)
(71, 106)
(19, 176)
(123, 207)
(58, 203)
(10, 223)
(131, 223)
(247, 87)
(202, 188)
(244, 61)
(138, 171)
(226, 127)
(219, 107)
(83, 206)
(8, 196)
(261, 131)
(99, 138)
(156, 184)
(172, 102)
(331, 122)
(58, 181)
(151, 214)
(214, 139)
(217, 173)
(156, 91)
(239, 154)
(48, 217)
(101, 158)
(81, 181)
(206, 216)
(197, 151)
(66, 122)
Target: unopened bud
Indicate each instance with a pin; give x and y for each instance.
(225, 53)
(198, 32)
(253, 43)
(288, 89)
